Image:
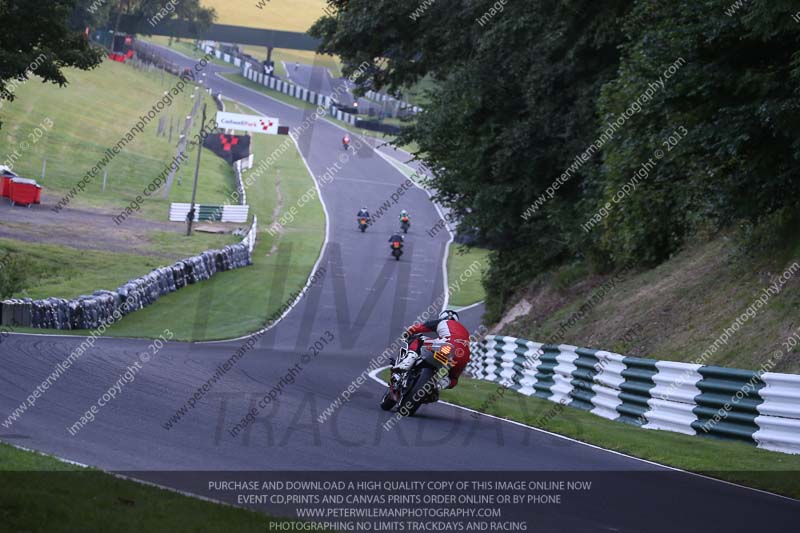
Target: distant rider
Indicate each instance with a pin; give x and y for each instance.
(363, 213)
(396, 238)
(404, 216)
(346, 141)
(447, 328)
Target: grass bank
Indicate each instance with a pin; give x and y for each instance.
(89, 116)
(677, 310)
(40, 493)
(241, 301)
(459, 260)
(232, 303)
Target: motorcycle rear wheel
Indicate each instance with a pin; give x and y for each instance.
(415, 395)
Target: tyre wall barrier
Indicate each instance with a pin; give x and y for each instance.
(105, 307)
(756, 407)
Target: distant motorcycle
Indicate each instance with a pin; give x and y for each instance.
(362, 224)
(418, 385)
(397, 249)
(405, 223)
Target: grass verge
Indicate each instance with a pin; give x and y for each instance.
(40, 493)
(89, 116)
(459, 260)
(730, 461)
(230, 304)
(677, 310)
(238, 302)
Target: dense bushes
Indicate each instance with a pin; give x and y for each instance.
(520, 120)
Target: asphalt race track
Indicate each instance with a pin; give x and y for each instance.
(363, 301)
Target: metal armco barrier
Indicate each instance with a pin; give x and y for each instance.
(99, 308)
(761, 408)
(295, 91)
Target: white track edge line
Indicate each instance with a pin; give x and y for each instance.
(374, 376)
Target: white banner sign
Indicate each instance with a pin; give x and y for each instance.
(254, 123)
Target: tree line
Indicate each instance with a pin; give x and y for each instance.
(604, 133)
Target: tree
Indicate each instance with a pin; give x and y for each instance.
(516, 127)
(735, 95)
(513, 106)
(36, 41)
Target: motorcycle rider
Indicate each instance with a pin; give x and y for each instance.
(363, 213)
(396, 238)
(447, 328)
(346, 141)
(404, 214)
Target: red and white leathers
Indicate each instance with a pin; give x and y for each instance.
(451, 331)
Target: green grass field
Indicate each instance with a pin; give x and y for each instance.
(239, 302)
(287, 15)
(89, 116)
(459, 260)
(743, 464)
(40, 493)
(65, 272)
(232, 303)
(678, 309)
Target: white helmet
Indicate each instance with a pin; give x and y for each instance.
(448, 314)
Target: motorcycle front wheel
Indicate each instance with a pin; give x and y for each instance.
(415, 395)
(387, 402)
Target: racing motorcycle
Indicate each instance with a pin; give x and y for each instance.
(418, 385)
(397, 249)
(405, 223)
(362, 224)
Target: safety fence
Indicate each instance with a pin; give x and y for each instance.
(252, 70)
(387, 98)
(298, 92)
(179, 212)
(756, 407)
(104, 307)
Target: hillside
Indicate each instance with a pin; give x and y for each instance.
(288, 15)
(675, 311)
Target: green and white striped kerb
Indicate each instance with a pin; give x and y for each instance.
(757, 408)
